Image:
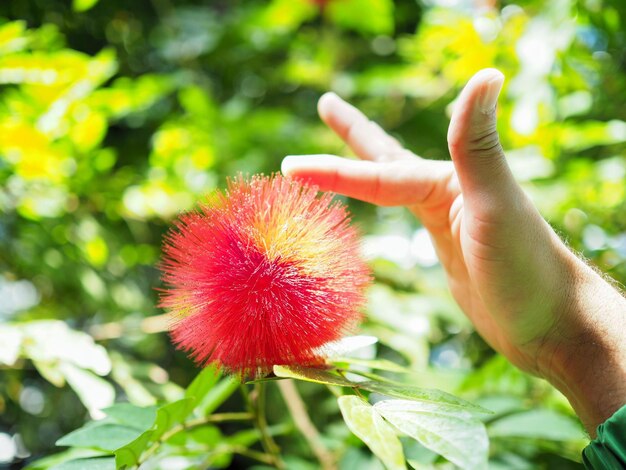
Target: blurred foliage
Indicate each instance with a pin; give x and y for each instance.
(115, 116)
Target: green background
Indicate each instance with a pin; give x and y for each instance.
(115, 116)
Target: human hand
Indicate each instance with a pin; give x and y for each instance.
(525, 292)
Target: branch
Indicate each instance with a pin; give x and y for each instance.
(268, 442)
(193, 423)
(305, 425)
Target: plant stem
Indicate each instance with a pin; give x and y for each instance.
(253, 454)
(221, 417)
(193, 423)
(358, 393)
(305, 425)
(355, 389)
(267, 441)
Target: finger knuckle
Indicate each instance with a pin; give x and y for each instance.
(485, 144)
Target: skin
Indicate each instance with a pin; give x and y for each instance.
(527, 294)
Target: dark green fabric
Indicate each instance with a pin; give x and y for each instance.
(608, 450)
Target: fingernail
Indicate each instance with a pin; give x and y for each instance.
(289, 163)
(293, 164)
(490, 93)
(329, 96)
(342, 111)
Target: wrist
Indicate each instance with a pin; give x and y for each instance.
(587, 351)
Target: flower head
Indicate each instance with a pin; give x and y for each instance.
(263, 274)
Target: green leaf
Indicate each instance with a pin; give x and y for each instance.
(129, 455)
(172, 414)
(215, 396)
(176, 413)
(203, 382)
(101, 463)
(83, 5)
(167, 417)
(131, 376)
(538, 424)
(501, 405)
(364, 16)
(387, 388)
(379, 364)
(245, 438)
(371, 376)
(54, 341)
(425, 395)
(100, 435)
(367, 424)
(73, 453)
(50, 371)
(346, 345)
(11, 341)
(141, 418)
(210, 435)
(95, 392)
(453, 433)
(319, 376)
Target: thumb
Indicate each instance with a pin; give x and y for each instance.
(474, 144)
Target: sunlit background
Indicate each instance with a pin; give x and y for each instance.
(117, 115)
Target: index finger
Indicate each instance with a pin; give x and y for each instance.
(368, 140)
(383, 183)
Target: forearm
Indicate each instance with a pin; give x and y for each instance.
(587, 360)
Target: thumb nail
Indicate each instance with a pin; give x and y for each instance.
(489, 96)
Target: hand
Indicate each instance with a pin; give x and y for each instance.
(525, 292)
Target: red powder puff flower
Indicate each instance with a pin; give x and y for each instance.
(263, 274)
